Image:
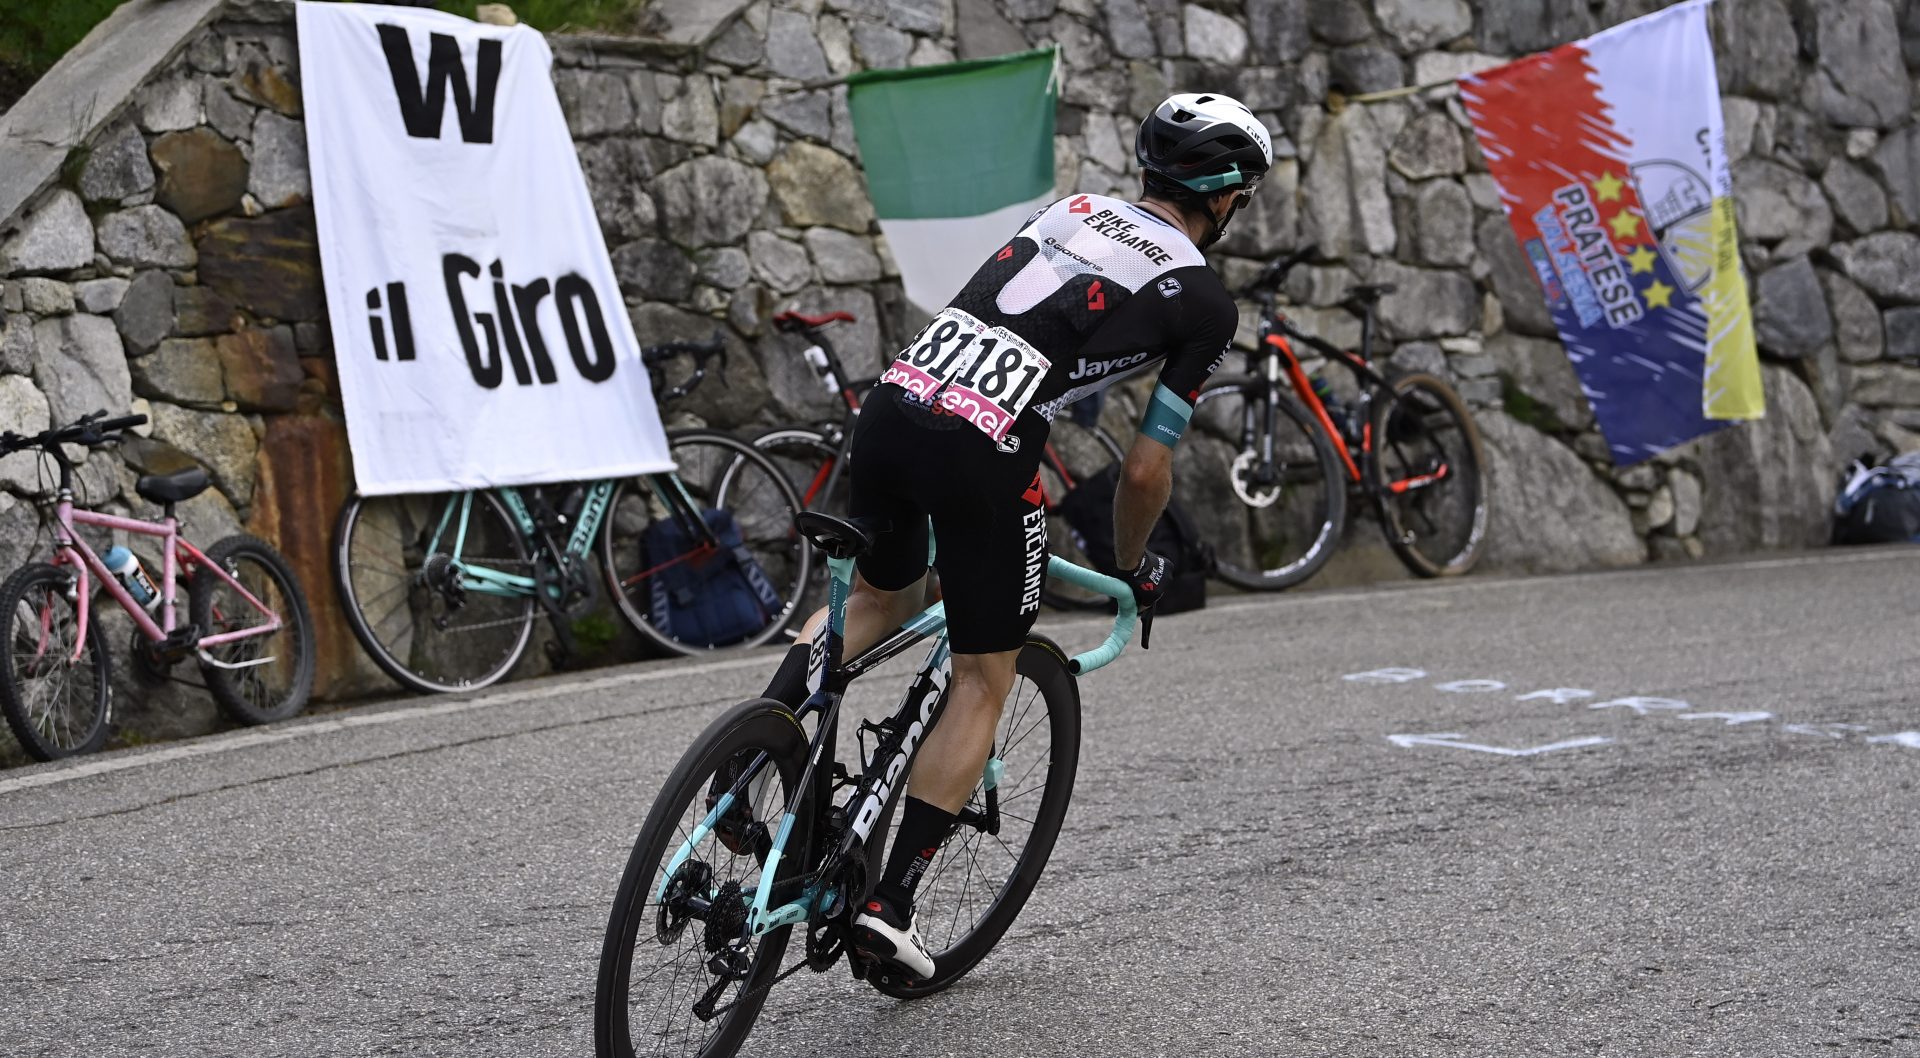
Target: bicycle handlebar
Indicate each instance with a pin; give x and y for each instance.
(1276, 271)
(89, 430)
(1123, 622)
(655, 355)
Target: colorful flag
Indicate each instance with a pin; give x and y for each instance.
(957, 157)
(1611, 160)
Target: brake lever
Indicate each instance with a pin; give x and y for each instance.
(1146, 630)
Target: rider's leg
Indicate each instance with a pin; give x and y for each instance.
(871, 614)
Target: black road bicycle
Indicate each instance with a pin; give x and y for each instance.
(761, 835)
(1279, 467)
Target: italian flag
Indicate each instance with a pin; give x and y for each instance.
(957, 156)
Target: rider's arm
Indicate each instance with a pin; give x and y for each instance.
(1146, 480)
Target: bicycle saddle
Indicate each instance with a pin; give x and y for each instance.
(175, 487)
(787, 321)
(837, 538)
(1370, 292)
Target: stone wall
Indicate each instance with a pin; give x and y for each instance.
(169, 264)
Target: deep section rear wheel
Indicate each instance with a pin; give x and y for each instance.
(976, 886)
(676, 940)
(393, 561)
(714, 472)
(1430, 477)
(57, 706)
(1262, 479)
(256, 679)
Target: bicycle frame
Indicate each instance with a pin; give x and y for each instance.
(177, 556)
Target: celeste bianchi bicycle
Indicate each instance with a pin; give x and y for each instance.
(762, 837)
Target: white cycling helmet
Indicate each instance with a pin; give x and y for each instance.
(1202, 143)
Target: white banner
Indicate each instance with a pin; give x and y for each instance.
(478, 329)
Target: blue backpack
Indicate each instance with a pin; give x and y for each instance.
(1879, 505)
(711, 600)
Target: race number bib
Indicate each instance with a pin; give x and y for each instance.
(986, 375)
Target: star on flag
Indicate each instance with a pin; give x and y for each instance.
(1659, 295)
(1607, 188)
(1625, 225)
(1641, 259)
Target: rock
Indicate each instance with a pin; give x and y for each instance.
(55, 237)
(1444, 216)
(1514, 282)
(1278, 29)
(816, 186)
(727, 267)
(1686, 501)
(262, 83)
(779, 264)
(1549, 512)
(260, 368)
(221, 442)
(279, 178)
(1103, 145)
(792, 49)
(1539, 371)
(1740, 119)
(842, 258)
(268, 265)
(711, 200)
(739, 45)
(618, 177)
(1790, 316)
(1345, 193)
(23, 408)
(756, 141)
(692, 116)
(689, 21)
(1897, 159)
(1766, 482)
(1129, 28)
(182, 371)
(80, 367)
(1419, 24)
(1365, 68)
(801, 113)
(1660, 508)
(1213, 37)
(653, 269)
(145, 235)
(1858, 202)
(1803, 139)
(1515, 27)
(168, 106)
(117, 166)
(229, 117)
(1761, 49)
(596, 102)
(1269, 225)
(1852, 437)
(1428, 147)
(46, 297)
(1861, 80)
(1886, 385)
(202, 175)
(880, 47)
(1432, 67)
(101, 296)
(1425, 303)
(931, 17)
(983, 33)
(1886, 264)
(1903, 334)
(145, 314)
(1856, 323)
(1774, 203)
(724, 401)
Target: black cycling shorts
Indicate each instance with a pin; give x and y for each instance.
(912, 464)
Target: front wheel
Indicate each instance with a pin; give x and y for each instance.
(256, 679)
(1429, 477)
(983, 875)
(679, 972)
(57, 704)
(1263, 480)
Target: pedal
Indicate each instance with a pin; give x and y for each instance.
(178, 644)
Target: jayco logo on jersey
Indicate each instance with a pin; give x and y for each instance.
(1169, 287)
(1096, 368)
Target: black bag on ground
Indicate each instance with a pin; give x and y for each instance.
(1879, 505)
(713, 599)
(1088, 510)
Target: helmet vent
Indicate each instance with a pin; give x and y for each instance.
(1182, 116)
(1204, 99)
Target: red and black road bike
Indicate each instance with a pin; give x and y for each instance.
(1275, 468)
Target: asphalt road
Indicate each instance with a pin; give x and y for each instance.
(1252, 864)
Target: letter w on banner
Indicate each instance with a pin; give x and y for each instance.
(1611, 160)
(478, 329)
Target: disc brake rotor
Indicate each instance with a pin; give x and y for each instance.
(1247, 471)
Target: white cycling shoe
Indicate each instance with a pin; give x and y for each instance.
(878, 933)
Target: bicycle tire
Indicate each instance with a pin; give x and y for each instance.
(1407, 444)
(803, 453)
(760, 725)
(258, 693)
(1219, 470)
(1042, 666)
(35, 596)
(731, 476)
(1077, 447)
(371, 563)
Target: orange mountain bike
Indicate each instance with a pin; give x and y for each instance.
(1275, 469)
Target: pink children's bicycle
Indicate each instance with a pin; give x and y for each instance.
(247, 619)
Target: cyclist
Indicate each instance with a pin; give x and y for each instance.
(1091, 290)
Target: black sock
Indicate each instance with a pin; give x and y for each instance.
(923, 829)
(789, 686)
